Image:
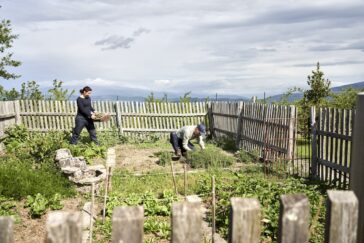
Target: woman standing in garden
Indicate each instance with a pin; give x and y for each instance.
(84, 117)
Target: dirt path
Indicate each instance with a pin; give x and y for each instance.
(130, 157)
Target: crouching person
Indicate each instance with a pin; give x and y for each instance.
(180, 140)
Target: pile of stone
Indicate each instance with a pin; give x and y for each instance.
(77, 170)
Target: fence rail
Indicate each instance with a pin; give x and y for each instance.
(331, 145)
(187, 217)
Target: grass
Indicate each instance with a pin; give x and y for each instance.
(18, 180)
(209, 157)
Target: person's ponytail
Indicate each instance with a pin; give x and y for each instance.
(85, 89)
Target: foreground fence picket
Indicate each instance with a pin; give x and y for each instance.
(186, 220)
(244, 220)
(341, 217)
(294, 219)
(127, 224)
(6, 230)
(64, 227)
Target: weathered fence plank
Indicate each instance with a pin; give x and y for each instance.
(341, 217)
(6, 230)
(186, 222)
(244, 221)
(127, 224)
(64, 227)
(294, 219)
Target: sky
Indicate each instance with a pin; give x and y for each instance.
(240, 47)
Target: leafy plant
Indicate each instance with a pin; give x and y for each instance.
(7, 206)
(39, 204)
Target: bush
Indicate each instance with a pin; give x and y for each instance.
(209, 157)
(19, 179)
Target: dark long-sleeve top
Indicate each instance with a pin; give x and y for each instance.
(84, 107)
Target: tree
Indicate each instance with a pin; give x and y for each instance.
(186, 98)
(30, 91)
(345, 99)
(6, 59)
(12, 94)
(58, 93)
(151, 98)
(320, 88)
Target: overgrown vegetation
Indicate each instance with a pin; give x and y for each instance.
(157, 210)
(155, 192)
(268, 192)
(165, 158)
(226, 143)
(28, 168)
(244, 156)
(209, 157)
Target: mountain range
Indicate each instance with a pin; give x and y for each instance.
(133, 94)
(299, 95)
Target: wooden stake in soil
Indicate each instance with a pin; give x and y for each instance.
(109, 181)
(92, 209)
(174, 178)
(185, 180)
(105, 196)
(213, 210)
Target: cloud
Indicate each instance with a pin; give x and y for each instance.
(140, 31)
(114, 42)
(241, 47)
(163, 82)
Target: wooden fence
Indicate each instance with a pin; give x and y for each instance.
(128, 118)
(332, 132)
(187, 217)
(9, 115)
(267, 129)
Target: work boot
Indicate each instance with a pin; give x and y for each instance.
(178, 153)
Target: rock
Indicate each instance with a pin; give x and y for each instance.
(72, 162)
(63, 154)
(77, 171)
(89, 180)
(68, 170)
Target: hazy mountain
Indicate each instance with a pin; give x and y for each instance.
(338, 89)
(131, 94)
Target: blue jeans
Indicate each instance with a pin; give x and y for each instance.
(177, 143)
(82, 122)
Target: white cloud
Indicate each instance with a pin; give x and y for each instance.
(238, 47)
(162, 82)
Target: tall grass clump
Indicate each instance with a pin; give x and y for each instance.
(209, 157)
